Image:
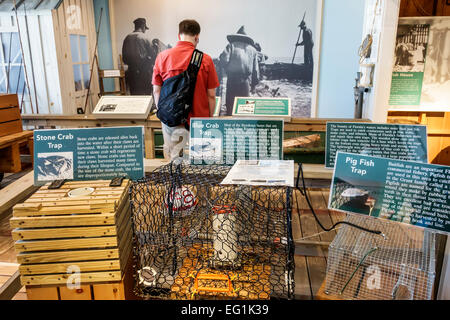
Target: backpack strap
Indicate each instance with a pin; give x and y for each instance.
(196, 61)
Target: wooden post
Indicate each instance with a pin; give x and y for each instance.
(149, 143)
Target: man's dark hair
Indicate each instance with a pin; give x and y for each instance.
(189, 27)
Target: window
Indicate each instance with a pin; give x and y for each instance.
(12, 77)
(80, 61)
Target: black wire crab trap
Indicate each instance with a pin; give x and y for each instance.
(197, 239)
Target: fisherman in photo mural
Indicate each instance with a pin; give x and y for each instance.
(139, 54)
(307, 44)
(239, 60)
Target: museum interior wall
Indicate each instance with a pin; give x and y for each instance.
(438, 123)
(338, 57)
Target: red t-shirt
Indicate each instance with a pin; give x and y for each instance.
(174, 61)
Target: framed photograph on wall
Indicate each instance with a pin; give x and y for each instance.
(259, 48)
(421, 68)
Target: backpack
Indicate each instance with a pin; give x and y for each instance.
(177, 94)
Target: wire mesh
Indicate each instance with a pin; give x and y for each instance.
(197, 239)
(365, 266)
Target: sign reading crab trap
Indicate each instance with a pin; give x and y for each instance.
(394, 141)
(403, 191)
(88, 154)
(224, 141)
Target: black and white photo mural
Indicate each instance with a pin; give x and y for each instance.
(260, 48)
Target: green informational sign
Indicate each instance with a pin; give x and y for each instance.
(406, 88)
(217, 107)
(88, 154)
(394, 141)
(403, 191)
(409, 64)
(254, 106)
(224, 141)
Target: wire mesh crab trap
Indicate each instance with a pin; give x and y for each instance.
(197, 239)
(366, 266)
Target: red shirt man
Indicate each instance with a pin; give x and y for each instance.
(174, 61)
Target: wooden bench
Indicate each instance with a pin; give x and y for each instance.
(13, 140)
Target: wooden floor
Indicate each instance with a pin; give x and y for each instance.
(311, 243)
(310, 257)
(8, 262)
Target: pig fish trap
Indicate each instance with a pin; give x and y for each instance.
(197, 239)
(366, 266)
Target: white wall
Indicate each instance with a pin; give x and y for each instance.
(377, 100)
(342, 24)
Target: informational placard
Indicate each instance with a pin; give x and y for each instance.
(217, 107)
(264, 107)
(409, 64)
(403, 191)
(111, 73)
(261, 173)
(123, 107)
(88, 154)
(395, 141)
(224, 141)
(420, 76)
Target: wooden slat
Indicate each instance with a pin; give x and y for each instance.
(316, 265)
(63, 208)
(57, 233)
(63, 221)
(65, 244)
(302, 286)
(50, 198)
(19, 137)
(65, 256)
(10, 158)
(8, 100)
(60, 211)
(88, 277)
(97, 186)
(85, 266)
(109, 291)
(9, 114)
(7, 268)
(42, 293)
(82, 293)
(10, 288)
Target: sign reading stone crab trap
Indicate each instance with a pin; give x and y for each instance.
(394, 141)
(403, 191)
(224, 141)
(88, 154)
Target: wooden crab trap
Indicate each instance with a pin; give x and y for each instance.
(197, 239)
(80, 232)
(366, 266)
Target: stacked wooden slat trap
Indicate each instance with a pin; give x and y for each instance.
(61, 240)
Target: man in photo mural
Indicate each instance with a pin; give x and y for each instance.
(307, 44)
(139, 54)
(174, 61)
(240, 62)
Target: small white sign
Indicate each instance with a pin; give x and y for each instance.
(262, 173)
(111, 73)
(124, 107)
(248, 108)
